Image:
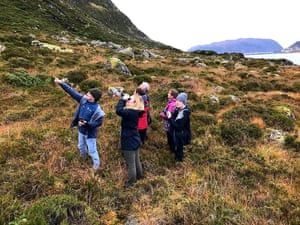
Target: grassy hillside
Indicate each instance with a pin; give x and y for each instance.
(97, 19)
(233, 172)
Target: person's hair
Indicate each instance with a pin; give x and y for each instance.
(145, 86)
(138, 102)
(96, 93)
(173, 92)
(140, 91)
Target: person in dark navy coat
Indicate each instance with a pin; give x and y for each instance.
(130, 108)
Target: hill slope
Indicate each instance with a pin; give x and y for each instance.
(92, 19)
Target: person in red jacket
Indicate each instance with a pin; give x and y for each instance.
(143, 120)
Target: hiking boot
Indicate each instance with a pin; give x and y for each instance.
(83, 161)
(98, 173)
(128, 185)
(140, 177)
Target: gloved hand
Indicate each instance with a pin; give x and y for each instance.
(169, 114)
(125, 97)
(56, 80)
(163, 115)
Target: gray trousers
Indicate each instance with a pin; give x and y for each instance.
(134, 166)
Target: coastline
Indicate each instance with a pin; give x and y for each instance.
(291, 56)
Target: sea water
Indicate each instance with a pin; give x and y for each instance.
(294, 56)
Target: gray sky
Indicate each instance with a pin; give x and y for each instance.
(183, 24)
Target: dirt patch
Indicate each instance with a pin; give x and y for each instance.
(258, 121)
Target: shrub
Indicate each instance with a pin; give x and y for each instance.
(176, 85)
(62, 63)
(244, 112)
(14, 52)
(212, 107)
(76, 76)
(270, 69)
(204, 119)
(291, 142)
(238, 132)
(88, 84)
(9, 208)
(22, 79)
(199, 106)
(16, 62)
(296, 86)
(60, 209)
(139, 79)
(278, 120)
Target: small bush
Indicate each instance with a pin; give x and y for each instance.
(296, 87)
(239, 132)
(278, 120)
(270, 69)
(76, 76)
(212, 107)
(204, 119)
(88, 84)
(9, 208)
(199, 106)
(60, 209)
(291, 142)
(63, 63)
(244, 112)
(22, 79)
(139, 79)
(14, 52)
(19, 62)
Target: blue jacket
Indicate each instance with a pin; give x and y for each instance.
(94, 120)
(130, 138)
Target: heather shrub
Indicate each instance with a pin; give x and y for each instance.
(76, 76)
(239, 132)
(291, 142)
(278, 120)
(14, 52)
(9, 208)
(20, 62)
(22, 79)
(60, 209)
(88, 84)
(142, 78)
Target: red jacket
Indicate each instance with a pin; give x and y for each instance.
(143, 120)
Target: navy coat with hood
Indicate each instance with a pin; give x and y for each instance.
(130, 138)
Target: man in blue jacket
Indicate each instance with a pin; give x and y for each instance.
(88, 117)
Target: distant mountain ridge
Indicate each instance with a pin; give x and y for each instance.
(242, 45)
(293, 48)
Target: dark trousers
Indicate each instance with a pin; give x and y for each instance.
(134, 166)
(178, 149)
(179, 153)
(143, 135)
(170, 141)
